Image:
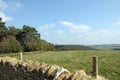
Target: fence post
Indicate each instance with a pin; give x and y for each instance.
(21, 56)
(95, 66)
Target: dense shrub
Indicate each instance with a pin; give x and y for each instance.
(39, 45)
(46, 45)
(32, 46)
(10, 44)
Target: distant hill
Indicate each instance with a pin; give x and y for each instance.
(106, 46)
(73, 47)
(88, 47)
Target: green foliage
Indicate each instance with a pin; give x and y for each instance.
(39, 45)
(10, 44)
(46, 45)
(27, 38)
(31, 31)
(107, 46)
(13, 31)
(3, 30)
(73, 47)
(30, 37)
(33, 46)
(30, 40)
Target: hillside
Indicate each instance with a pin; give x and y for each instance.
(72, 47)
(88, 47)
(106, 46)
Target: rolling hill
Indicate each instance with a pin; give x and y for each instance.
(73, 47)
(106, 46)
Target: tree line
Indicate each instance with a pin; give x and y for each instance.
(73, 47)
(13, 39)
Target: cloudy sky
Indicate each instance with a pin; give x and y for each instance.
(67, 21)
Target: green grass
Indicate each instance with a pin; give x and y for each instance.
(109, 61)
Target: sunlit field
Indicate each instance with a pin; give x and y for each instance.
(109, 61)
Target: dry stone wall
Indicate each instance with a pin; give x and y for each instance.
(14, 69)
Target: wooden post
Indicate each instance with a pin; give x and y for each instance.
(21, 55)
(95, 66)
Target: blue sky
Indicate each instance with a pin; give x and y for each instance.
(85, 22)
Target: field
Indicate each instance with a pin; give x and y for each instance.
(109, 61)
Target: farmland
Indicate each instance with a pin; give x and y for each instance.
(109, 61)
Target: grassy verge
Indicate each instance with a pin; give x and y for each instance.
(109, 61)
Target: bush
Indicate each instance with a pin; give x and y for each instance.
(38, 45)
(9, 45)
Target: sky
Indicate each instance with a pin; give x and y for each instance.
(86, 22)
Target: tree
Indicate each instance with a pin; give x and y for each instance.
(27, 39)
(46, 45)
(13, 31)
(27, 36)
(3, 30)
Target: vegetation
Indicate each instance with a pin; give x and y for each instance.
(109, 66)
(10, 44)
(13, 40)
(25, 39)
(73, 47)
(106, 46)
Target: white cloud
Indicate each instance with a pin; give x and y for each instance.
(5, 18)
(14, 5)
(102, 36)
(75, 27)
(108, 32)
(46, 26)
(3, 5)
(59, 32)
(8, 5)
(17, 4)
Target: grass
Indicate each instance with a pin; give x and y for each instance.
(109, 61)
